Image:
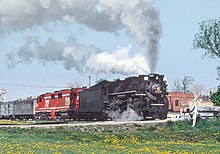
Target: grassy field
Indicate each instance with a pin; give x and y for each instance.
(10, 122)
(178, 137)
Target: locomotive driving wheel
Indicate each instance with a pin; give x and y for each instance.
(162, 116)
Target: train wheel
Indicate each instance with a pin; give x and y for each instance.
(72, 116)
(162, 116)
(154, 116)
(149, 116)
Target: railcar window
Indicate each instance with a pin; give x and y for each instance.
(52, 96)
(40, 99)
(59, 95)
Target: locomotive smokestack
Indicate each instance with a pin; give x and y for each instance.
(136, 17)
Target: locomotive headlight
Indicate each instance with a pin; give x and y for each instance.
(157, 88)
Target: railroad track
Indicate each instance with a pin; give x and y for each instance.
(85, 123)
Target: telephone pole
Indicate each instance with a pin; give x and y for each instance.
(89, 81)
(2, 94)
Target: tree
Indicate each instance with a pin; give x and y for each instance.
(183, 85)
(197, 89)
(177, 85)
(208, 38)
(215, 97)
(187, 81)
(76, 84)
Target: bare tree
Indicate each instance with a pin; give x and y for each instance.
(70, 84)
(76, 84)
(183, 85)
(197, 88)
(177, 85)
(187, 81)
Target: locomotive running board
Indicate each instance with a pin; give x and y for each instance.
(121, 93)
(157, 104)
(139, 94)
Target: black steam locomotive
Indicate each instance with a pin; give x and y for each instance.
(145, 95)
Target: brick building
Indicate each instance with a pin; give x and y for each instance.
(179, 101)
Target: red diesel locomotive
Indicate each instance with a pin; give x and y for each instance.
(58, 104)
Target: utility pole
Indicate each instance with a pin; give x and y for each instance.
(2, 94)
(89, 81)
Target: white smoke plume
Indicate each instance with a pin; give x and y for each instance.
(138, 17)
(127, 115)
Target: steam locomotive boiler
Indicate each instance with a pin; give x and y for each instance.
(145, 95)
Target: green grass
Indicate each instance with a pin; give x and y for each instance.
(12, 122)
(174, 137)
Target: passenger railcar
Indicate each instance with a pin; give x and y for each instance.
(24, 109)
(7, 109)
(19, 109)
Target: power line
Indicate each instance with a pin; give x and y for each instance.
(31, 86)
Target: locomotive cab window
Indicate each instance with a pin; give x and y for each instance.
(59, 95)
(75, 95)
(52, 96)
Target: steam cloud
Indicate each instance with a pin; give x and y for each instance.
(128, 115)
(138, 17)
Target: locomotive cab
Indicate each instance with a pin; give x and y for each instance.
(74, 99)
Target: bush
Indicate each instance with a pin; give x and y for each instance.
(179, 125)
(215, 97)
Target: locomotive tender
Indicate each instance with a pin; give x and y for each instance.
(145, 95)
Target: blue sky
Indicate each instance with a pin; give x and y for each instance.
(179, 21)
